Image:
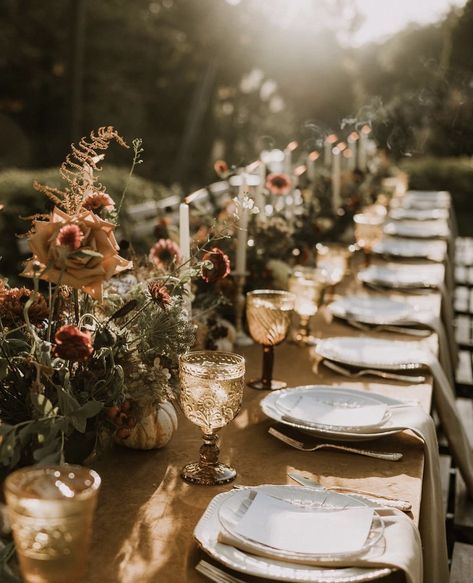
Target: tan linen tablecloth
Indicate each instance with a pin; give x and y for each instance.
(146, 514)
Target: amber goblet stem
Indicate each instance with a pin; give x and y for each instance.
(209, 450)
(304, 331)
(268, 363)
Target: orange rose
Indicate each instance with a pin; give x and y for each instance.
(85, 267)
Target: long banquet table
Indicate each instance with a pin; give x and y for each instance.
(147, 514)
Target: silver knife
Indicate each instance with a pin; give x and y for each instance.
(399, 504)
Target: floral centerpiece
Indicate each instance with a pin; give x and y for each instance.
(91, 347)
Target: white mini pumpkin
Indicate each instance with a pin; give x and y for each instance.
(154, 430)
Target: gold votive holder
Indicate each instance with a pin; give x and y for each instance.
(51, 510)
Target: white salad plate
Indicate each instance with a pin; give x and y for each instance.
(371, 310)
(418, 229)
(349, 397)
(412, 248)
(224, 508)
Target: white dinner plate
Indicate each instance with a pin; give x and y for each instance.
(423, 199)
(403, 276)
(270, 408)
(412, 248)
(325, 404)
(400, 214)
(418, 229)
(371, 309)
(367, 352)
(209, 526)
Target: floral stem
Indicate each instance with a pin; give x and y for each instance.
(137, 150)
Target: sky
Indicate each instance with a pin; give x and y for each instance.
(385, 17)
(382, 18)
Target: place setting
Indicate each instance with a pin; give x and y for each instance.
(411, 248)
(427, 229)
(417, 279)
(297, 533)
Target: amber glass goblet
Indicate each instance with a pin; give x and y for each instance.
(368, 231)
(268, 313)
(308, 291)
(211, 394)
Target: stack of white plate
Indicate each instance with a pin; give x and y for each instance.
(280, 530)
(340, 414)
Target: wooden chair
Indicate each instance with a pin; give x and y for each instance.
(462, 564)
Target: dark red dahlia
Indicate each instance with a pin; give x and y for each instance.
(72, 344)
(220, 265)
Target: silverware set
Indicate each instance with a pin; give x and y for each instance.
(382, 501)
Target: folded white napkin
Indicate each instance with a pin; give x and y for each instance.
(282, 525)
(399, 548)
(311, 410)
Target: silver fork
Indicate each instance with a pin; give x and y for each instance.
(301, 446)
(373, 372)
(215, 574)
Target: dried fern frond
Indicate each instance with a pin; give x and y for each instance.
(78, 168)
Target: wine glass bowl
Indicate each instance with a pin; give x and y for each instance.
(210, 396)
(307, 288)
(269, 316)
(368, 231)
(334, 258)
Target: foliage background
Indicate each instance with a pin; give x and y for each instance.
(205, 79)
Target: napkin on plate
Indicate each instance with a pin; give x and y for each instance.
(311, 410)
(399, 548)
(282, 525)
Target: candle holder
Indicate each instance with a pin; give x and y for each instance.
(242, 339)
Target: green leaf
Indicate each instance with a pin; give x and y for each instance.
(91, 409)
(79, 417)
(51, 446)
(67, 403)
(44, 405)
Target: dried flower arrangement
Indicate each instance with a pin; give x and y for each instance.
(92, 346)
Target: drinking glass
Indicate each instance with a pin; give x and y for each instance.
(51, 511)
(334, 258)
(368, 231)
(211, 394)
(268, 313)
(308, 290)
